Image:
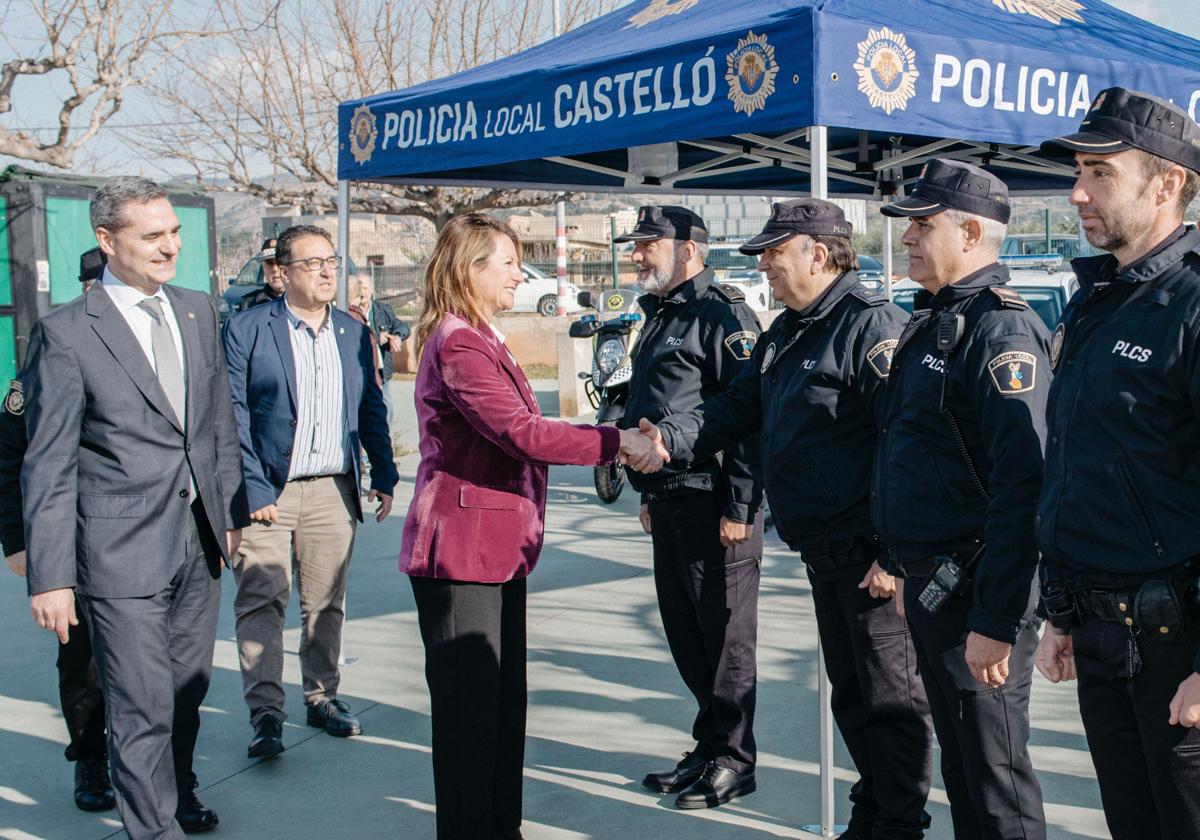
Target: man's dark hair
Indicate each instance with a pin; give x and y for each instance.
(107, 209)
(287, 240)
(842, 257)
(1152, 165)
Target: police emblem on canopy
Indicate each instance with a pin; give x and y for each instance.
(1053, 11)
(741, 344)
(14, 403)
(659, 9)
(1013, 372)
(887, 69)
(363, 134)
(750, 71)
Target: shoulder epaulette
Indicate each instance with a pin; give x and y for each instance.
(868, 297)
(1010, 298)
(731, 293)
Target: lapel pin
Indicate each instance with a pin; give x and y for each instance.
(191, 314)
(341, 330)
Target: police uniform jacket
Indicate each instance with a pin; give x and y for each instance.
(12, 453)
(814, 388)
(1122, 488)
(696, 340)
(923, 498)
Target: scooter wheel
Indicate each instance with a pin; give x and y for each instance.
(610, 481)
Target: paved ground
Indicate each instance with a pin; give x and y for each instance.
(605, 707)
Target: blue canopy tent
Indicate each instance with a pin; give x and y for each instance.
(778, 97)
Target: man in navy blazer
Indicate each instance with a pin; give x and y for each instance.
(306, 401)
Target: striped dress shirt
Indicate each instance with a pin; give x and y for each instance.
(320, 446)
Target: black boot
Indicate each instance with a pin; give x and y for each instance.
(680, 777)
(93, 789)
(191, 814)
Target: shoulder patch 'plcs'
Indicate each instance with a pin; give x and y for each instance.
(879, 357)
(741, 344)
(1013, 372)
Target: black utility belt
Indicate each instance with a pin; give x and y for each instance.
(925, 565)
(832, 555)
(1162, 607)
(685, 482)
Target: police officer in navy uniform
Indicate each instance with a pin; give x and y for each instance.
(704, 519)
(78, 685)
(1118, 521)
(813, 396)
(957, 472)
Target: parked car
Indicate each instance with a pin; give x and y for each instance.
(1047, 294)
(724, 259)
(870, 272)
(540, 293)
(754, 286)
(249, 279)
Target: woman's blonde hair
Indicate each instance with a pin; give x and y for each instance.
(464, 241)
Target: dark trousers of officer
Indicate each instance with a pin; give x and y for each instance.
(983, 732)
(1148, 770)
(877, 698)
(474, 635)
(80, 695)
(708, 599)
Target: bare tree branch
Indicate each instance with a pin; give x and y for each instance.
(255, 110)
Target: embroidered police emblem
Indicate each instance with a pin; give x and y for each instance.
(768, 357)
(741, 344)
(1053, 11)
(879, 357)
(657, 10)
(363, 134)
(1056, 345)
(615, 301)
(887, 69)
(1013, 372)
(1099, 100)
(750, 71)
(14, 403)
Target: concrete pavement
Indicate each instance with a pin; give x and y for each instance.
(605, 707)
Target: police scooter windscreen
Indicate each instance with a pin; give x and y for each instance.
(612, 328)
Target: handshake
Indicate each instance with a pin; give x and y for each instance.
(642, 448)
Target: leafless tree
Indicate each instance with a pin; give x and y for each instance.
(101, 48)
(255, 111)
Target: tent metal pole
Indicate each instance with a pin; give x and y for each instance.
(887, 251)
(560, 216)
(343, 242)
(819, 145)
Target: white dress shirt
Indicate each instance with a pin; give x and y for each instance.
(126, 298)
(320, 443)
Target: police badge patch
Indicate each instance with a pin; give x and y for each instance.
(1052, 11)
(363, 134)
(768, 357)
(879, 357)
(887, 69)
(14, 403)
(750, 72)
(741, 344)
(657, 10)
(1013, 372)
(1056, 345)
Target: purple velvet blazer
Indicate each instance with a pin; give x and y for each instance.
(478, 509)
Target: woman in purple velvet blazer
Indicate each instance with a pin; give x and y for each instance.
(474, 527)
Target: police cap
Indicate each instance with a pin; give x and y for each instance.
(267, 252)
(811, 216)
(952, 184)
(1121, 119)
(666, 222)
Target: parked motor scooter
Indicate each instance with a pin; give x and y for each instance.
(613, 329)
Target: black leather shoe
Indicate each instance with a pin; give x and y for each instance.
(334, 717)
(680, 777)
(191, 814)
(268, 738)
(716, 786)
(93, 789)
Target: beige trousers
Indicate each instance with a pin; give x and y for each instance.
(313, 540)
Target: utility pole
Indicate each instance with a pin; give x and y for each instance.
(560, 219)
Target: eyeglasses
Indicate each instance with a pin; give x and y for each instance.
(317, 263)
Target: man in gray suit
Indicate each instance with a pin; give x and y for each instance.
(132, 438)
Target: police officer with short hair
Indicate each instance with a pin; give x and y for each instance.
(1118, 521)
(78, 684)
(813, 395)
(704, 519)
(957, 471)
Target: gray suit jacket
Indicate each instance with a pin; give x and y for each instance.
(105, 479)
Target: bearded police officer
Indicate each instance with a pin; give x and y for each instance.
(813, 394)
(957, 473)
(1119, 517)
(703, 519)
